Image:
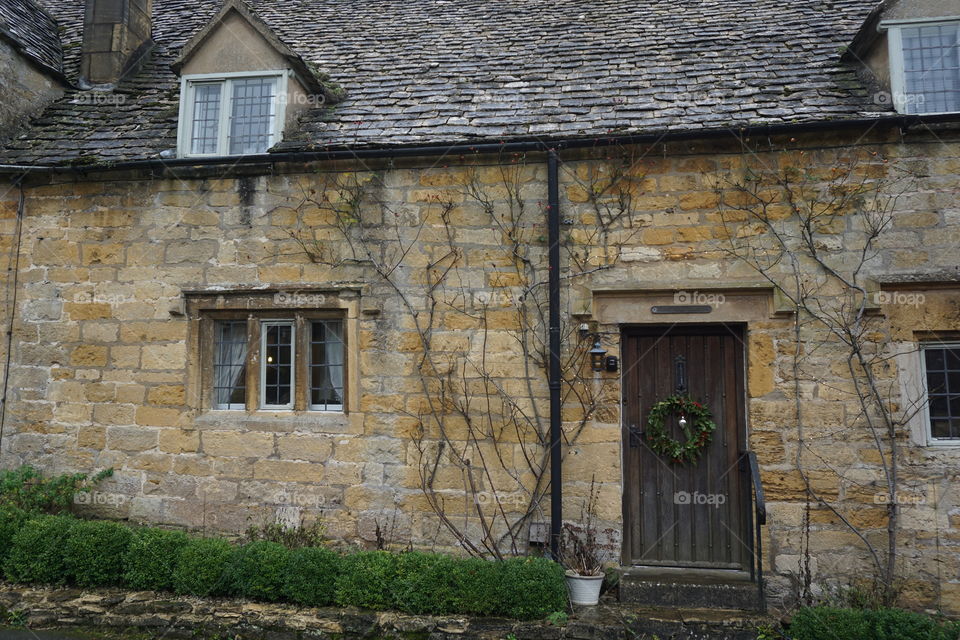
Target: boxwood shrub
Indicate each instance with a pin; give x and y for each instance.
(367, 580)
(61, 549)
(476, 583)
(202, 567)
(424, 583)
(531, 588)
(259, 570)
(816, 623)
(93, 552)
(36, 553)
(312, 576)
(152, 557)
(11, 519)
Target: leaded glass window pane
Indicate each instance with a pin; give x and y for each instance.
(326, 365)
(277, 356)
(942, 365)
(205, 124)
(252, 113)
(230, 364)
(931, 68)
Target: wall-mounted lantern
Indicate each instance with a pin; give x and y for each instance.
(597, 354)
(599, 360)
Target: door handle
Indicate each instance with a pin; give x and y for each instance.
(636, 436)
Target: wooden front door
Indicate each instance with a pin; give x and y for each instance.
(690, 514)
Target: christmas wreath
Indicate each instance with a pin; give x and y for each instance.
(695, 420)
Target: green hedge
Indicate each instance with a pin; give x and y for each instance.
(424, 583)
(531, 588)
(37, 551)
(58, 549)
(152, 558)
(202, 567)
(259, 570)
(11, 519)
(25, 494)
(817, 623)
(367, 580)
(93, 552)
(474, 580)
(278, 564)
(312, 576)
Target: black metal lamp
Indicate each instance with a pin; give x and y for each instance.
(597, 354)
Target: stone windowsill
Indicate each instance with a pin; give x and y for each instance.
(301, 421)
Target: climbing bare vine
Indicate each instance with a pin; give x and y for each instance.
(467, 265)
(812, 228)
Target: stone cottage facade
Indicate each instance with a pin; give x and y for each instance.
(276, 262)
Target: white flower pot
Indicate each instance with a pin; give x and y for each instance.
(584, 590)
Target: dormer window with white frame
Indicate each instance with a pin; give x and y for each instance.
(924, 65)
(231, 114)
(241, 87)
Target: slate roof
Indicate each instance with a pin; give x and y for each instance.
(448, 71)
(32, 31)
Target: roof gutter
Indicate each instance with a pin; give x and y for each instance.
(514, 145)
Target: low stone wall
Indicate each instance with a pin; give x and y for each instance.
(189, 617)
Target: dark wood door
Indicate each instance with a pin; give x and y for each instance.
(690, 514)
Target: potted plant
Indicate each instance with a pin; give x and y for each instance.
(582, 555)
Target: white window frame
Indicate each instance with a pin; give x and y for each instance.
(927, 427)
(263, 364)
(329, 408)
(187, 95)
(895, 46)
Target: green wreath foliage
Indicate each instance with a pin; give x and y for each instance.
(699, 428)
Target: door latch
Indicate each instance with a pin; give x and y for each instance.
(680, 374)
(636, 436)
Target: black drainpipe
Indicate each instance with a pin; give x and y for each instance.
(553, 256)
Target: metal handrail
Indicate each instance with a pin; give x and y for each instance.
(760, 519)
(761, 505)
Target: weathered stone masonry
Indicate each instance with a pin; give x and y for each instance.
(105, 369)
(183, 616)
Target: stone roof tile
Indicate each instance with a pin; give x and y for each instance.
(438, 71)
(33, 31)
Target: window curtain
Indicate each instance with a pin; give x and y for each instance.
(335, 357)
(231, 356)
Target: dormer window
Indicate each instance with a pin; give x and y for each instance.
(241, 87)
(230, 114)
(925, 65)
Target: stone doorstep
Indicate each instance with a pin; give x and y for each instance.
(182, 616)
(647, 623)
(690, 591)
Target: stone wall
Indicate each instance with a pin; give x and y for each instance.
(185, 617)
(106, 373)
